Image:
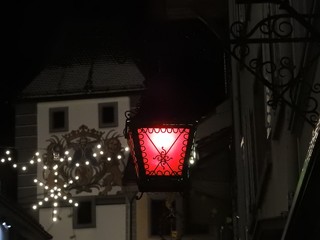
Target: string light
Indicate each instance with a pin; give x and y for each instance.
(57, 188)
(193, 156)
(54, 193)
(49, 193)
(6, 155)
(6, 225)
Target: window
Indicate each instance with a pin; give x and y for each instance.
(186, 215)
(84, 216)
(161, 221)
(58, 119)
(108, 115)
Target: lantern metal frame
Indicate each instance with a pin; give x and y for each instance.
(176, 181)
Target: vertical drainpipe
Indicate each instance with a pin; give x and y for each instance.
(130, 218)
(241, 216)
(240, 178)
(292, 165)
(289, 139)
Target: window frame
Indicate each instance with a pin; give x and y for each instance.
(54, 110)
(92, 224)
(115, 122)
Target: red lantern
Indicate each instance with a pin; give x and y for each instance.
(161, 154)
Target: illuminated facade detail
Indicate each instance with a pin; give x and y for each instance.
(83, 160)
(80, 161)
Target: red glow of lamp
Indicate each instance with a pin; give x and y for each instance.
(160, 154)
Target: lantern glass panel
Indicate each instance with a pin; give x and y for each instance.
(163, 150)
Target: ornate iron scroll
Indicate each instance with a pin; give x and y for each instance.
(280, 75)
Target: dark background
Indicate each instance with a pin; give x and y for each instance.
(182, 56)
(186, 51)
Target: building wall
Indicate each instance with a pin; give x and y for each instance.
(110, 218)
(26, 144)
(81, 112)
(110, 223)
(276, 136)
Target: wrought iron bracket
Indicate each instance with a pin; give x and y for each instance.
(280, 74)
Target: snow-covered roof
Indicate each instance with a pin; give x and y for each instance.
(86, 60)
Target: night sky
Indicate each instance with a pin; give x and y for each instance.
(185, 49)
(28, 38)
(32, 28)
